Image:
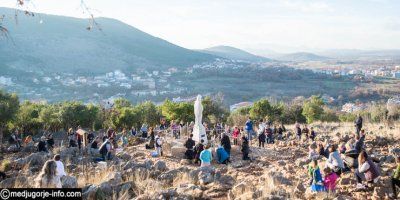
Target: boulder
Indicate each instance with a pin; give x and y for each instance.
(205, 177)
(36, 159)
(69, 182)
(178, 151)
(160, 166)
(190, 191)
(15, 182)
(124, 156)
(128, 165)
(89, 192)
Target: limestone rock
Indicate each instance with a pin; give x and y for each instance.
(160, 166)
(69, 182)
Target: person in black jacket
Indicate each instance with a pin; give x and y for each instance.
(226, 143)
(245, 148)
(359, 144)
(198, 149)
(189, 144)
(358, 124)
(261, 139)
(42, 145)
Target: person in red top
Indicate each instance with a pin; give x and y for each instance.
(235, 134)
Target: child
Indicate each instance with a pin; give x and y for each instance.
(396, 178)
(206, 156)
(312, 153)
(316, 177)
(330, 180)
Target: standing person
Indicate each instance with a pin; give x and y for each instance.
(94, 146)
(280, 132)
(235, 135)
(159, 143)
(79, 139)
(261, 139)
(226, 143)
(42, 145)
(367, 170)
(105, 149)
(90, 137)
(313, 134)
(60, 166)
(358, 124)
(261, 127)
(270, 135)
(198, 149)
(249, 128)
(206, 156)
(175, 129)
(71, 138)
(396, 178)
(245, 148)
(189, 144)
(110, 133)
(124, 138)
(48, 177)
(298, 131)
(49, 140)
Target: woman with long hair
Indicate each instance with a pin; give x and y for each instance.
(48, 177)
(367, 170)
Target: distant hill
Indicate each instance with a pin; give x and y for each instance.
(362, 54)
(62, 43)
(234, 54)
(301, 57)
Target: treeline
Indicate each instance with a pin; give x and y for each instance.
(32, 117)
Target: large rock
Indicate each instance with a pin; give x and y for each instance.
(160, 166)
(15, 182)
(36, 160)
(69, 182)
(178, 151)
(89, 192)
(190, 191)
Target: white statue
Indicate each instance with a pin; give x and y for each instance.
(199, 132)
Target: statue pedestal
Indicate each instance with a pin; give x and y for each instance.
(199, 133)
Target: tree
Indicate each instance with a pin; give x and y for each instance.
(214, 110)
(182, 111)
(292, 113)
(149, 113)
(260, 109)
(125, 117)
(9, 105)
(27, 117)
(312, 108)
(50, 117)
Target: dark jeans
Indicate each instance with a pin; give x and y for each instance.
(246, 156)
(395, 182)
(270, 140)
(235, 141)
(261, 144)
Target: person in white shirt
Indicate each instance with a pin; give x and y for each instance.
(60, 166)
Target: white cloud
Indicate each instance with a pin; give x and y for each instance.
(310, 6)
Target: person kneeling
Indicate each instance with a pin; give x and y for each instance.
(222, 155)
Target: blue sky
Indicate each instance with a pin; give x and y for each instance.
(256, 25)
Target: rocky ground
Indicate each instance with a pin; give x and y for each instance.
(275, 172)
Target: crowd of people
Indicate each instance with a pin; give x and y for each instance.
(347, 157)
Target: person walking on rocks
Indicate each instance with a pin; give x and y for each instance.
(206, 156)
(358, 124)
(48, 177)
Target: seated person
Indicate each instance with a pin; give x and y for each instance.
(222, 155)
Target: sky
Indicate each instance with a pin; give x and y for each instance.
(255, 25)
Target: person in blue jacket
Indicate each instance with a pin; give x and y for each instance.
(206, 156)
(222, 155)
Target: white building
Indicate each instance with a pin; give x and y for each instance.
(5, 81)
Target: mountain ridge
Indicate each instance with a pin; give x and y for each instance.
(233, 53)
